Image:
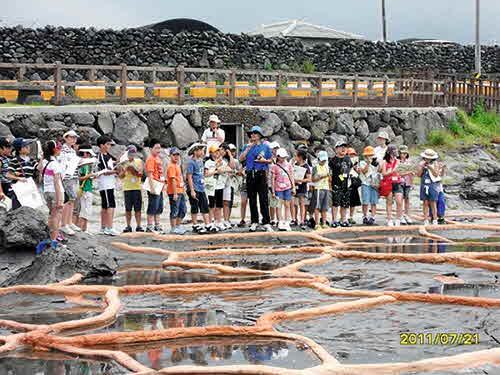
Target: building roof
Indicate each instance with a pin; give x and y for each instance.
(177, 25)
(300, 29)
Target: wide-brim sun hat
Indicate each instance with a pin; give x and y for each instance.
(88, 150)
(256, 129)
(369, 151)
(282, 153)
(383, 135)
(213, 118)
(274, 145)
(195, 146)
(429, 154)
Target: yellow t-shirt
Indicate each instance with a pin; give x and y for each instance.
(323, 184)
(130, 181)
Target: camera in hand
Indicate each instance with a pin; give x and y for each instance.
(375, 162)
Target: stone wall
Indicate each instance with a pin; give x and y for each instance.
(217, 50)
(181, 126)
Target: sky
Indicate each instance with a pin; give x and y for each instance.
(437, 19)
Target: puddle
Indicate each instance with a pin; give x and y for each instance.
(373, 336)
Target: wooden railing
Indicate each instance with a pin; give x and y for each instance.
(235, 86)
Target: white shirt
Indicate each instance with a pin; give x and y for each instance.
(211, 138)
(54, 167)
(380, 153)
(217, 181)
(364, 177)
(106, 182)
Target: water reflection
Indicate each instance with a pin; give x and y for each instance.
(490, 290)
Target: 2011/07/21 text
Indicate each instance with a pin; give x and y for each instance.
(440, 338)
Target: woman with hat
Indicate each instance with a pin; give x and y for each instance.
(257, 156)
(370, 180)
(390, 186)
(428, 171)
(21, 166)
(383, 141)
(407, 181)
(71, 181)
(213, 135)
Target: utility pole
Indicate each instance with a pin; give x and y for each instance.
(384, 22)
(478, 38)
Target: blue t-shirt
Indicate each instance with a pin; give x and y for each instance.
(262, 149)
(195, 168)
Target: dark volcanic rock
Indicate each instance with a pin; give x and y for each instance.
(22, 229)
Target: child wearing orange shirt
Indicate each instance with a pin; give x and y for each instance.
(175, 190)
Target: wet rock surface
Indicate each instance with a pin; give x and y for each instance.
(22, 229)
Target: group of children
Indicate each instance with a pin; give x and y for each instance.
(302, 187)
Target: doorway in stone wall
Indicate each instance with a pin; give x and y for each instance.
(234, 134)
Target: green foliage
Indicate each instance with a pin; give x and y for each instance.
(439, 138)
(268, 67)
(308, 67)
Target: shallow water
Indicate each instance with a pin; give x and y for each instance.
(366, 336)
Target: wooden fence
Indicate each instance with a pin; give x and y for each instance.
(256, 87)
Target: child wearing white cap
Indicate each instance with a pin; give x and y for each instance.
(70, 181)
(86, 189)
(283, 188)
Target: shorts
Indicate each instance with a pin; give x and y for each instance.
(200, 204)
(50, 199)
(428, 192)
(406, 191)
(320, 200)
(397, 189)
(285, 195)
(71, 187)
(298, 196)
(273, 201)
(216, 201)
(228, 194)
(369, 195)
(133, 200)
(108, 199)
(178, 207)
(155, 204)
(244, 188)
(341, 197)
(77, 207)
(86, 205)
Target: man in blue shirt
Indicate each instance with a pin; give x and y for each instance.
(257, 156)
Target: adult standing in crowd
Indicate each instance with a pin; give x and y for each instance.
(71, 181)
(257, 156)
(383, 141)
(107, 184)
(214, 135)
(21, 167)
(5, 150)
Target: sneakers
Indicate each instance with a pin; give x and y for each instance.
(202, 230)
(268, 228)
(351, 221)
(403, 220)
(150, 229)
(366, 221)
(67, 229)
(282, 226)
(397, 223)
(139, 229)
(287, 226)
(229, 225)
(294, 223)
(274, 223)
(178, 230)
(158, 229)
(390, 223)
(434, 222)
(74, 227)
(345, 224)
(253, 227)
(371, 221)
(441, 220)
(335, 224)
(61, 238)
(111, 232)
(318, 227)
(241, 224)
(128, 229)
(408, 220)
(303, 226)
(325, 226)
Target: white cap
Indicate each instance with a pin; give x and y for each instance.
(89, 150)
(70, 133)
(282, 153)
(231, 146)
(213, 118)
(274, 145)
(384, 135)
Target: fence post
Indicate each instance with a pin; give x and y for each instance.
(232, 90)
(123, 84)
(355, 90)
(445, 92)
(180, 79)
(58, 84)
(412, 99)
(319, 93)
(278, 87)
(92, 75)
(386, 90)
(22, 73)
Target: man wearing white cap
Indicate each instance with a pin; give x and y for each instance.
(213, 135)
(71, 180)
